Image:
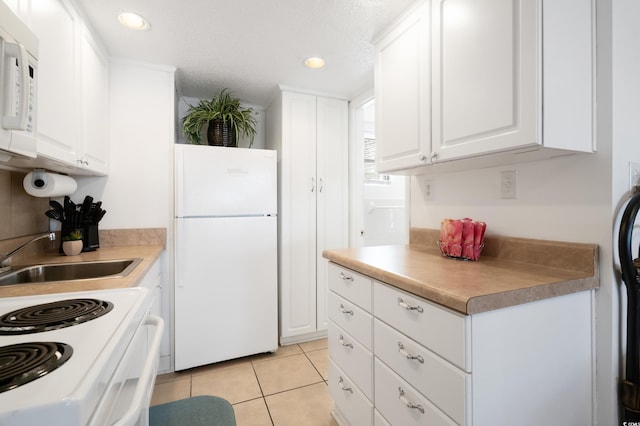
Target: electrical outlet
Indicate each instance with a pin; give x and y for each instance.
(508, 180)
(634, 174)
(427, 189)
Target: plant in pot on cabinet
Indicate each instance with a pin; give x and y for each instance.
(72, 243)
(227, 120)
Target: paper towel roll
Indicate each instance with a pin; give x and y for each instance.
(45, 184)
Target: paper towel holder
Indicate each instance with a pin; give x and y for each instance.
(41, 183)
(39, 178)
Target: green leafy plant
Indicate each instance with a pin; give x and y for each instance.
(74, 235)
(224, 107)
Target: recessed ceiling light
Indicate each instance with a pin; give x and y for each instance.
(314, 62)
(133, 20)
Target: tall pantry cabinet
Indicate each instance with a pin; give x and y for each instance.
(310, 134)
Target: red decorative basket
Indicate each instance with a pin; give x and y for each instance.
(462, 238)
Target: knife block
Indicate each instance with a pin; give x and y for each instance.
(90, 238)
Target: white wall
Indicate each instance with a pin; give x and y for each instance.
(556, 199)
(138, 192)
(577, 198)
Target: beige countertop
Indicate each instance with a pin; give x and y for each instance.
(148, 251)
(510, 271)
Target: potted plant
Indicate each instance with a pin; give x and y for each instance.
(227, 120)
(72, 243)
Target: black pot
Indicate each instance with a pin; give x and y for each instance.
(221, 133)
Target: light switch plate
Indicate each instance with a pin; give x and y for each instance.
(427, 189)
(508, 181)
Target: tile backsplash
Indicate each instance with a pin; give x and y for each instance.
(20, 213)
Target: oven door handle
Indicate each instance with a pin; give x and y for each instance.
(146, 376)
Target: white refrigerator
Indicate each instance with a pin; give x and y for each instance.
(226, 284)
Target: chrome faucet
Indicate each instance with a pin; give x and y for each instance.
(50, 235)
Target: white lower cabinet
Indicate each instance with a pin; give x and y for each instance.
(348, 316)
(352, 357)
(448, 387)
(441, 330)
(354, 407)
(351, 285)
(152, 281)
(350, 346)
(401, 404)
(404, 360)
(379, 420)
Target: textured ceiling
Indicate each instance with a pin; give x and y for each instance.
(251, 46)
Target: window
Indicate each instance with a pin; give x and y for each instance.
(370, 174)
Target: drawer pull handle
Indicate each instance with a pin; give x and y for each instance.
(346, 344)
(343, 386)
(345, 311)
(407, 355)
(408, 307)
(408, 403)
(346, 277)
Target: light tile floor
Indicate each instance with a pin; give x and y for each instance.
(288, 387)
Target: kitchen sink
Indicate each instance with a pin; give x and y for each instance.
(70, 271)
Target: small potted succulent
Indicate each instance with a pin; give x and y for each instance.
(72, 243)
(227, 120)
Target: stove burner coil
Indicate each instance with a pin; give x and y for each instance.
(24, 362)
(52, 316)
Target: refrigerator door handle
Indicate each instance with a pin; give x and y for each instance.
(179, 183)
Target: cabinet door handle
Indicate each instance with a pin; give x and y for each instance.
(343, 386)
(345, 344)
(407, 355)
(346, 277)
(345, 311)
(320, 185)
(408, 403)
(408, 307)
(313, 184)
(422, 157)
(434, 156)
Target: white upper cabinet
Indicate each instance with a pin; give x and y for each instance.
(402, 92)
(94, 93)
(507, 77)
(56, 25)
(484, 76)
(72, 119)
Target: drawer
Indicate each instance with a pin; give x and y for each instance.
(355, 321)
(401, 404)
(353, 358)
(350, 285)
(446, 386)
(378, 420)
(350, 402)
(441, 330)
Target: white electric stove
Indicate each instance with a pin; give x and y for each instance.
(108, 361)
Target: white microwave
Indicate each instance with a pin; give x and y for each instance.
(18, 86)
